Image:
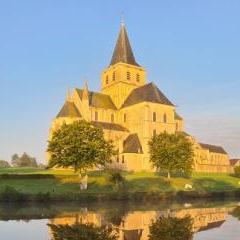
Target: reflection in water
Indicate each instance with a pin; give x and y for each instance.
(150, 225)
(236, 212)
(124, 221)
(171, 228)
(81, 232)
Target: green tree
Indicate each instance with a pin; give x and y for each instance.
(237, 171)
(14, 160)
(79, 145)
(171, 152)
(81, 232)
(171, 228)
(26, 161)
(4, 164)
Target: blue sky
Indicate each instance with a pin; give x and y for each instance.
(191, 50)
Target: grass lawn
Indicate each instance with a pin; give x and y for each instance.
(66, 182)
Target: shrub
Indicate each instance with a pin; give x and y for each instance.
(26, 176)
(116, 178)
(10, 194)
(237, 171)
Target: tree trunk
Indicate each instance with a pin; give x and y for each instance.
(168, 175)
(83, 181)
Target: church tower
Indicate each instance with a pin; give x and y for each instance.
(123, 74)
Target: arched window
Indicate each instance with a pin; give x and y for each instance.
(107, 79)
(117, 158)
(165, 118)
(138, 77)
(128, 75)
(154, 132)
(154, 117)
(112, 117)
(96, 116)
(123, 159)
(124, 117)
(113, 76)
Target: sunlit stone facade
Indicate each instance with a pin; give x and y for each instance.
(130, 110)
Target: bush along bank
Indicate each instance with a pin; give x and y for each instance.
(10, 194)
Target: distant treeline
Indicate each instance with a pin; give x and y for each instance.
(24, 160)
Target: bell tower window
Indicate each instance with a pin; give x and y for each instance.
(138, 77)
(128, 75)
(107, 79)
(114, 76)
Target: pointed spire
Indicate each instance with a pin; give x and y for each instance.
(85, 90)
(123, 51)
(68, 95)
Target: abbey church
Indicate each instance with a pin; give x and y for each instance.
(131, 110)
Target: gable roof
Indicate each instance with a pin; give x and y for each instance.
(234, 161)
(146, 93)
(132, 144)
(69, 110)
(123, 51)
(98, 100)
(213, 148)
(109, 126)
(177, 116)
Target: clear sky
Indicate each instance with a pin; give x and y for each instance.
(191, 50)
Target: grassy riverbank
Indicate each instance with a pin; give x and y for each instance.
(64, 185)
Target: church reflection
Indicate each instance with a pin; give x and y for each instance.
(134, 225)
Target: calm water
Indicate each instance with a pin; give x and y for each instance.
(210, 219)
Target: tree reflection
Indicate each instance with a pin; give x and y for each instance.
(236, 212)
(81, 232)
(172, 228)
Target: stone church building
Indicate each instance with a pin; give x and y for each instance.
(130, 110)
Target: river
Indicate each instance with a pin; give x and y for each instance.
(210, 219)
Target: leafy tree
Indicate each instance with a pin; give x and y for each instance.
(4, 164)
(171, 228)
(14, 160)
(237, 171)
(171, 152)
(26, 161)
(79, 145)
(81, 232)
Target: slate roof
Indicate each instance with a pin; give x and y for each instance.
(123, 51)
(98, 100)
(213, 148)
(132, 144)
(177, 116)
(146, 93)
(69, 110)
(234, 161)
(109, 126)
(211, 226)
